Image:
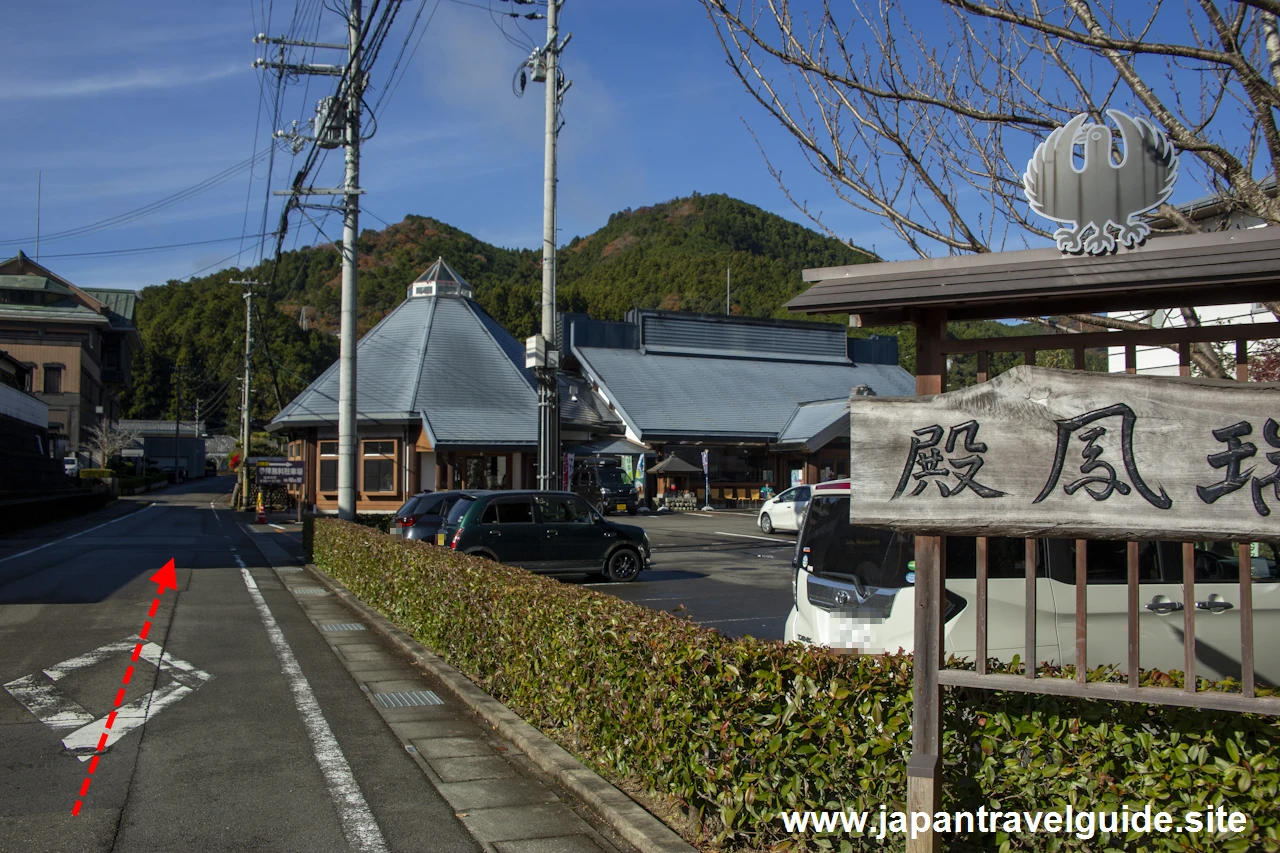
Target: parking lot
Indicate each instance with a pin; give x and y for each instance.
(718, 565)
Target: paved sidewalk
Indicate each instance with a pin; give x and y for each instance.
(502, 798)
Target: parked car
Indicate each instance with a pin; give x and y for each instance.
(71, 466)
(544, 532)
(601, 483)
(786, 510)
(853, 589)
(423, 515)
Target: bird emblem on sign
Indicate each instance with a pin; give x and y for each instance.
(1097, 198)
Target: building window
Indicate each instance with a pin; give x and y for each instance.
(328, 466)
(53, 379)
(379, 466)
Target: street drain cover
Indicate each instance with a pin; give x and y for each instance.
(408, 699)
(342, 626)
(309, 590)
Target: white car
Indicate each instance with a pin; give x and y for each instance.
(853, 589)
(786, 511)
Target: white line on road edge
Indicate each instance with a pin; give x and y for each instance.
(72, 536)
(749, 536)
(742, 619)
(358, 824)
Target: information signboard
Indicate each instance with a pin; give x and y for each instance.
(280, 473)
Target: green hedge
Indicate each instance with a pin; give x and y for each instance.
(739, 730)
(94, 473)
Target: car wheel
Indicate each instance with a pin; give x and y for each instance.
(766, 525)
(633, 510)
(624, 565)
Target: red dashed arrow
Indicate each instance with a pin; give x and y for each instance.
(164, 579)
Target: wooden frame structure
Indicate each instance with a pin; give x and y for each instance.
(1201, 269)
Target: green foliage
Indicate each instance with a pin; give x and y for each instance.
(740, 730)
(96, 473)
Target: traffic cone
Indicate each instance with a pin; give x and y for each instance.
(262, 511)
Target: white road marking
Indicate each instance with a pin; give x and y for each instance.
(48, 704)
(61, 670)
(358, 824)
(72, 536)
(214, 508)
(279, 527)
(743, 619)
(58, 712)
(128, 718)
(749, 536)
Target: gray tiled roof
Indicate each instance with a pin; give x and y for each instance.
(588, 410)
(811, 423)
(671, 395)
(441, 360)
(149, 426)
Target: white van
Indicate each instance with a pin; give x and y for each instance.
(853, 589)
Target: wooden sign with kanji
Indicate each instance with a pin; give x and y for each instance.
(1039, 452)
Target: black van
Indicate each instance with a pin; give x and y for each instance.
(602, 484)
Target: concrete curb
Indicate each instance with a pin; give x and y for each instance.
(623, 814)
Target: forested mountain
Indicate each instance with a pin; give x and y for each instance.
(672, 255)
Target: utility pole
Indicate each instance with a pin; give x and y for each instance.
(337, 124)
(543, 351)
(350, 229)
(244, 410)
(727, 279)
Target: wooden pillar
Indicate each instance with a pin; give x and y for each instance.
(924, 769)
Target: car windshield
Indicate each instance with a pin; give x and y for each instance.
(613, 478)
(834, 547)
(460, 509)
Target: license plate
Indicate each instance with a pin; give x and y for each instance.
(440, 538)
(622, 507)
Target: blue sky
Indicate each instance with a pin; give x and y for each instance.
(121, 105)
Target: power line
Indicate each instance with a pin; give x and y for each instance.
(394, 81)
(148, 249)
(145, 210)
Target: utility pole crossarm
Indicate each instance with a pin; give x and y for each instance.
(263, 38)
(302, 67)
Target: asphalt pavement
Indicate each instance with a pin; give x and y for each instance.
(216, 744)
(717, 568)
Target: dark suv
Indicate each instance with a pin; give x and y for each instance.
(545, 532)
(601, 483)
(422, 515)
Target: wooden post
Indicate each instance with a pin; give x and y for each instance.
(924, 769)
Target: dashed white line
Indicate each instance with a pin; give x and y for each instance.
(62, 539)
(358, 824)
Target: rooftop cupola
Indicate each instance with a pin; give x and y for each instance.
(440, 279)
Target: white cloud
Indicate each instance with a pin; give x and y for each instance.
(141, 78)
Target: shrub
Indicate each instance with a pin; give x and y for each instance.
(380, 521)
(95, 473)
(739, 730)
